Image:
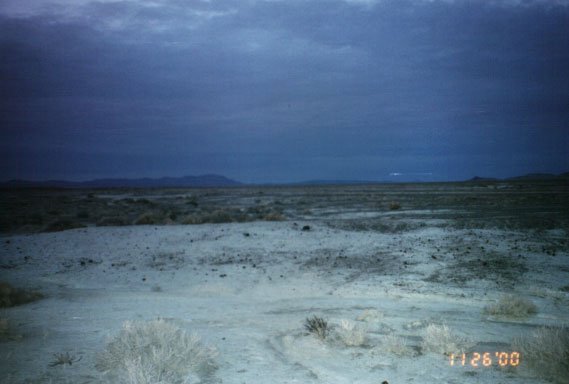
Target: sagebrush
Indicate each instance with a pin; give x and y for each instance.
(156, 351)
(317, 326)
(511, 306)
(351, 334)
(546, 352)
(441, 339)
(396, 345)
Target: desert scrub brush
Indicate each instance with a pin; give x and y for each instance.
(317, 326)
(156, 351)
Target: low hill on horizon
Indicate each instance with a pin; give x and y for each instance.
(210, 180)
(213, 180)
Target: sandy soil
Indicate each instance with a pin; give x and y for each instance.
(247, 289)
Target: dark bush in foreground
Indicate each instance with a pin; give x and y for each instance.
(317, 326)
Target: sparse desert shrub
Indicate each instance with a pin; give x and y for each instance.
(394, 205)
(317, 326)
(396, 345)
(64, 359)
(273, 216)
(192, 200)
(148, 218)
(10, 296)
(440, 339)
(220, 216)
(370, 315)
(547, 292)
(156, 351)
(511, 306)
(546, 352)
(350, 334)
(62, 225)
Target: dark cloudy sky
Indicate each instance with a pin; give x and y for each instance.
(283, 90)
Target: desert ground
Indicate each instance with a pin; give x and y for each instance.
(405, 277)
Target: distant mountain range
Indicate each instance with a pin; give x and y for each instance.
(163, 182)
(222, 181)
(527, 177)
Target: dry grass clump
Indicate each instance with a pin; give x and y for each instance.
(350, 334)
(394, 205)
(441, 339)
(226, 215)
(149, 218)
(397, 345)
(10, 296)
(274, 216)
(64, 359)
(511, 306)
(156, 351)
(370, 315)
(546, 352)
(212, 214)
(317, 326)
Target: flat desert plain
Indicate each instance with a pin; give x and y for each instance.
(397, 283)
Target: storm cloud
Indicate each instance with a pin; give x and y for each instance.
(273, 91)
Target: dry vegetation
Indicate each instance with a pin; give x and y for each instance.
(546, 351)
(511, 306)
(350, 334)
(317, 326)
(441, 339)
(396, 345)
(536, 206)
(156, 351)
(10, 296)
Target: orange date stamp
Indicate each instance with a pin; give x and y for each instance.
(485, 359)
